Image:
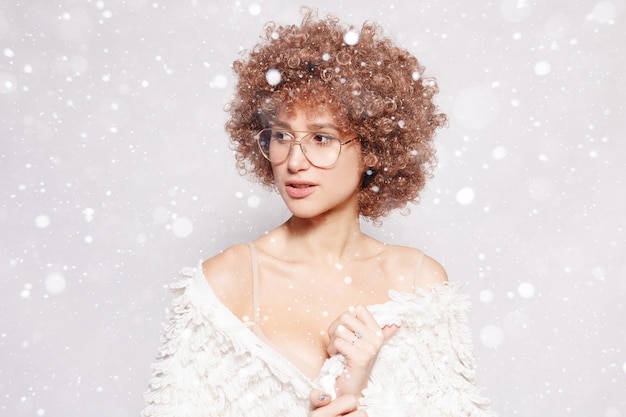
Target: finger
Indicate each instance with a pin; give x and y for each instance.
(362, 329)
(351, 312)
(319, 398)
(352, 329)
(355, 341)
(357, 413)
(342, 405)
(364, 315)
(346, 403)
(358, 354)
(389, 331)
(338, 339)
(362, 326)
(351, 326)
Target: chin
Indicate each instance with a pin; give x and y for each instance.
(300, 211)
(306, 214)
(314, 208)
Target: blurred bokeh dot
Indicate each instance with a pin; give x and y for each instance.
(543, 68)
(254, 9)
(465, 196)
(219, 81)
(273, 76)
(351, 37)
(526, 290)
(486, 296)
(254, 201)
(8, 83)
(182, 227)
(54, 283)
(491, 336)
(42, 221)
(498, 153)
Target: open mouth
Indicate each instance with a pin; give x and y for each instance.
(299, 189)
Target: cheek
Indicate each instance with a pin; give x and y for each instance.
(275, 172)
(353, 172)
(357, 163)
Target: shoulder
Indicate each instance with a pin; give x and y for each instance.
(226, 260)
(427, 271)
(431, 274)
(229, 274)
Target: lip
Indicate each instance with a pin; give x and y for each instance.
(299, 189)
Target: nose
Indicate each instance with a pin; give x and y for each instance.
(297, 160)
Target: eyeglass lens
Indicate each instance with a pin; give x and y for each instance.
(321, 149)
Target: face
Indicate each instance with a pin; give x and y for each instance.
(308, 191)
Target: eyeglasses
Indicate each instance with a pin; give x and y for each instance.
(320, 149)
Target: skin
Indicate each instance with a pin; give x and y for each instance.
(318, 271)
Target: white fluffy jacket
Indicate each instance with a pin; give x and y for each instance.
(211, 364)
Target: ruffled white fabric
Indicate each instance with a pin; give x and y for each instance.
(211, 364)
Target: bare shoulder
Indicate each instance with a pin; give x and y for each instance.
(429, 273)
(228, 273)
(432, 274)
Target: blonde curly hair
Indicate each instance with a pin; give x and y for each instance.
(372, 87)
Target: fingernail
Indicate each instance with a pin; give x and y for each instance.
(322, 396)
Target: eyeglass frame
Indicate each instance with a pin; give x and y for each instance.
(293, 142)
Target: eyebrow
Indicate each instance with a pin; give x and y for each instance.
(317, 126)
(311, 127)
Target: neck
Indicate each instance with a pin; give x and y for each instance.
(323, 240)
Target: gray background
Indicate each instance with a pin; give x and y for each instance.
(115, 173)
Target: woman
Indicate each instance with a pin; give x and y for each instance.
(315, 317)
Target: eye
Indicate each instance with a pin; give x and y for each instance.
(323, 139)
(280, 136)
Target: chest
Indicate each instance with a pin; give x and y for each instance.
(296, 304)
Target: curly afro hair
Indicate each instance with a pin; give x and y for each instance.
(374, 88)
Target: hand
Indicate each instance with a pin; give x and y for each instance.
(345, 405)
(358, 337)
